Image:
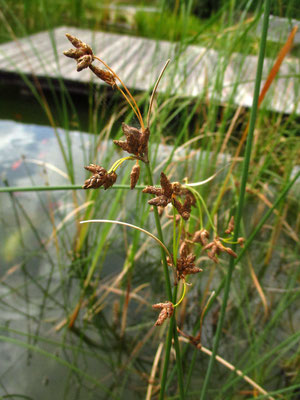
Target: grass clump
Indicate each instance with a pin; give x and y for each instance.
(84, 291)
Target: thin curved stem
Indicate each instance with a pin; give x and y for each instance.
(182, 296)
(108, 221)
(119, 162)
(154, 91)
(138, 112)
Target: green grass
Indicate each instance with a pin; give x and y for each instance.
(48, 255)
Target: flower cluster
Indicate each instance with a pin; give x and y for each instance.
(136, 141)
(167, 310)
(100, 178)
(84, 56)
(186, 262)
(216, 246)
(167, 194)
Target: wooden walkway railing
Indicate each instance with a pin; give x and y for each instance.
(193, 71)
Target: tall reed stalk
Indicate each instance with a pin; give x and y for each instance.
(240, 206)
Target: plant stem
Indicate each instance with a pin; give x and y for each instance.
(242, 193)
(161, 238)
(48, 188)
(172, 332)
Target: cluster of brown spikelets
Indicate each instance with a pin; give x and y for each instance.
(167, 194)
(186, 262)
(179, 196)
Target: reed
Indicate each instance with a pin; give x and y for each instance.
(162, 235)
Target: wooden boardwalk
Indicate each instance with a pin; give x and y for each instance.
(193, 72)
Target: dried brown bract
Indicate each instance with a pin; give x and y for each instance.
(83, 53)
(230, 226)
(100, 178)
(134, 176)
(216, 248)
(136, 141)
(166, 194)
(167, 310)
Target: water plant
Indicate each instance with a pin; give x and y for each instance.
(103, 303)
(136, 144)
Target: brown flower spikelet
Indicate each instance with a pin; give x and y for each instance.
(201, 237)
(160, 201)
(167, 310)
(181, 209)
(241, 241)
(186, 263)
(105, 76)
(136, 140)
(110, 180)
(166, 194)
(100, 178)
(84, 62)
(230, 226)
(83, 53)
(166, 185)
(153, 190)
(134, 176)
(216, 248)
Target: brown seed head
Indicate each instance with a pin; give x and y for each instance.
(84, 62)
(184, 249)
(185, 214)
(105, 76)
(217, 247)
(186, 262)
(241, 241)
(230, 226)
(100, 178)
(96, 169)
(201, 237)
(83, 53)
(153, 190)
(166, 185)
(167, 194)
(110, 180)
(167, 310)
(132, 143)
(79, 44)
(161, 201)
(134, 176)
(176, 186)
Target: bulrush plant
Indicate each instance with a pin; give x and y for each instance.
(183, 199)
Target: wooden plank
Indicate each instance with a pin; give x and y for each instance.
(279, 29)
(194, 70)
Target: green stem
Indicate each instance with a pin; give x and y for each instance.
(49, 188)
(242, 194)
(172, 332)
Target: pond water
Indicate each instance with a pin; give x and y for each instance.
(30, 155)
